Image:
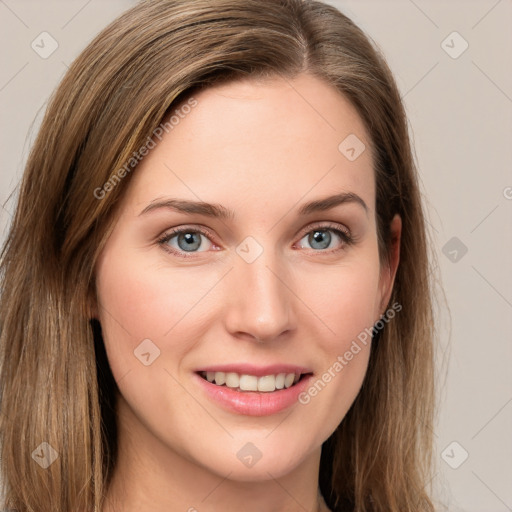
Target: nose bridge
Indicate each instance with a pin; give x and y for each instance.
(260, 301)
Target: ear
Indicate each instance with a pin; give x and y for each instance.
(388, 271)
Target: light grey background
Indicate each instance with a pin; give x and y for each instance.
(460, 112)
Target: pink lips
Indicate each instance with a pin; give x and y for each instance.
(254, 403)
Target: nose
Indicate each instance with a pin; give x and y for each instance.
(259, 300)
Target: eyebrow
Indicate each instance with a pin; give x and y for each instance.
(219, 211)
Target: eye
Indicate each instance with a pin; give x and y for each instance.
(185, 240)
(321, 237)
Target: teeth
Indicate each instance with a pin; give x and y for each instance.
(267, 383)
(248, 383)
(288, 381)
(232, 380)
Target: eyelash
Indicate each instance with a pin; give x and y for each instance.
(345, 236)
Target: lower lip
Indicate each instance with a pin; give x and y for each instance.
(253, 403)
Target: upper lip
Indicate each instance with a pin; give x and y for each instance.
(258, 371)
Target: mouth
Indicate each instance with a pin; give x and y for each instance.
(250, 390)
(246, 382)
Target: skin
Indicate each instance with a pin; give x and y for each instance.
(261, 149)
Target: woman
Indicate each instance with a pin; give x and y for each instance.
(215, 288)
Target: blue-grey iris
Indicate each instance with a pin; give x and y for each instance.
(321, 237)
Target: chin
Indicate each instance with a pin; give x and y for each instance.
(247, 461)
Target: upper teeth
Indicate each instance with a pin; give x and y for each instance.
(252, 382)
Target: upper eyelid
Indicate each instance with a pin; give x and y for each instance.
(325, 225)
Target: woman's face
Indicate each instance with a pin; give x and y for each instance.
(280, 276)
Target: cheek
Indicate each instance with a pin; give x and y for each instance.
(343, 299)
(140, 301)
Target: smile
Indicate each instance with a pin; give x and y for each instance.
(251, 390)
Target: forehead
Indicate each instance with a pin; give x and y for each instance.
(255, 140)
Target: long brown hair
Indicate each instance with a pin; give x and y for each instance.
(55, 383)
